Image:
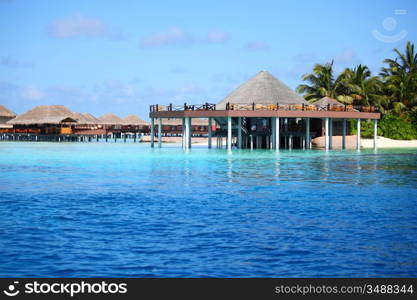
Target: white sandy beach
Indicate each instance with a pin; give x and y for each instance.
(383, 142)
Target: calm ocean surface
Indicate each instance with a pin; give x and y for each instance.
(116, 209)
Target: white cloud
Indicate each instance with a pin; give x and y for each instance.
(11, 62)
(217, 37)
(175, 36)
(32, 93)
(347, 56)
(80, 26)
(256, 46)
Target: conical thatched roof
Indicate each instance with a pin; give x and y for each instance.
(80, 118)
(263, 88)
(91, 118)
(323, 102)
(111, 119)
(133, 120)
(4, 112)
(45, 114)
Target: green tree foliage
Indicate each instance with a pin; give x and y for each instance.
(400, 78)
(321, 83)
(394, 92)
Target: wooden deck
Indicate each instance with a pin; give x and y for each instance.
(265, 114)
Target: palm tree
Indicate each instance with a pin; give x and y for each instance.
(401, 79)
(322, 84)
(362, 87)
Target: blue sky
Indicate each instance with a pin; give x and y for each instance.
(122, 56)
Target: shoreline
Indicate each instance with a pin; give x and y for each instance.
(382, 142)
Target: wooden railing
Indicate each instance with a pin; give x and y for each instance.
(260, 106)
(170, 107)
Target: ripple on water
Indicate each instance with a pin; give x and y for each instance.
(82, 210)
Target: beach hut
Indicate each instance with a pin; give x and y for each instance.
(49, 119)
(265, 113)
(133, 123)
(5, 116)
(112, 124)
(92, 120)
(327, 103)
(111, 120)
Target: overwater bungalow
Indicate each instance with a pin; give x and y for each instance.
(132, 123)
(5, 116)
(265, 113)
(44, 119)
(111, 121)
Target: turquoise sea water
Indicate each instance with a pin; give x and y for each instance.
(116, 209)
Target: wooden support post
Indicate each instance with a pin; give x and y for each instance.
(187, 133)
(330, 133)
(152, 132)
(183, 132)
(307, 140)
(229, 133)
(190, 132)
(326, 134)
(375, 133)
(159, 132)
(277, 133)
(358, 135)
(209, 135)
(344, 134)
(273, 132)
(239, 132)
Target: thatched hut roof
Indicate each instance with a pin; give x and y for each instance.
(91, 118)
(263, 88)
(80, 118)
(111, 119)
(323, 102)
(45, 114)
(134, 120)
(177, 122)
(4, 112)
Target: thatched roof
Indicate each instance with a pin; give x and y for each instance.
(177, 122)
(4, 112)
(80, 118)
(111, 119)
(134, 120)
(263, 88)
(323, 102)
(44, 114)
(85, 119)
(93, 120)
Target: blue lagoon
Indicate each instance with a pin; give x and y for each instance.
(124, 209)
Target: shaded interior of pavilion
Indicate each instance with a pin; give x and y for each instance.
(268, 132)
